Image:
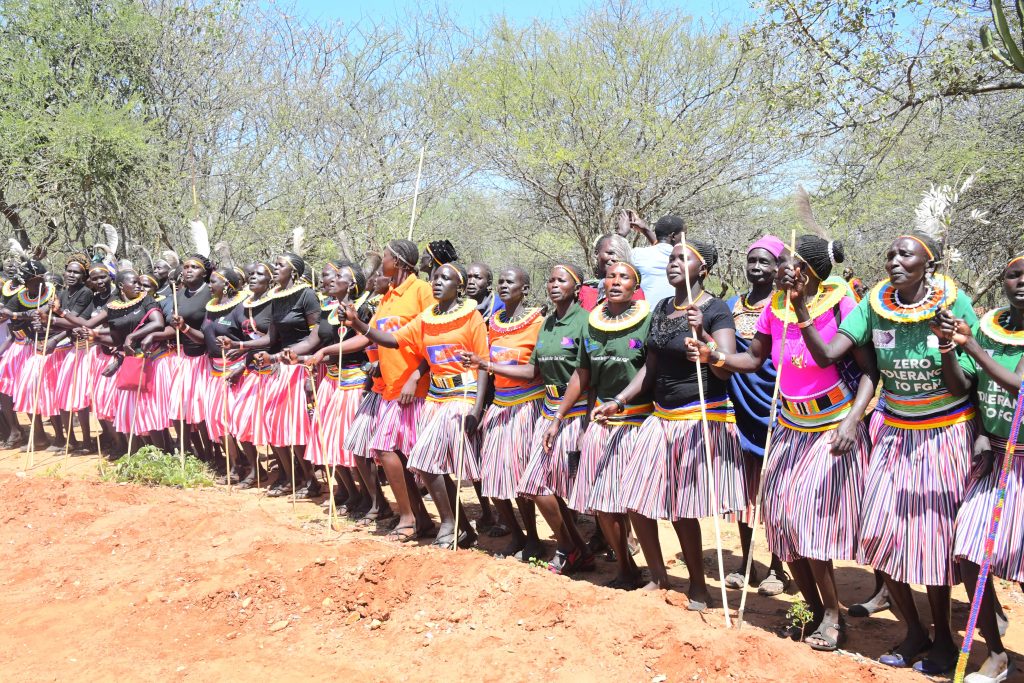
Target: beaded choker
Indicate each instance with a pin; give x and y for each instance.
(225, 305)
(28, 302)
(634, 315)
(501, 327)
(432, 316)
(11, 288)
(825, 300)
(120, 304)
(886, 303)
(278, 293)
(993, 325)
(253, 302)
(334, 318)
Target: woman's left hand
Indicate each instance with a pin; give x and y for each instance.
(602, 412)
(845, 438)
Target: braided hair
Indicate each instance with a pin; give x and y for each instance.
(819, 254)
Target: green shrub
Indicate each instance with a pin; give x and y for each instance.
(151, 466)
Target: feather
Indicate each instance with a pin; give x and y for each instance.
(16, 248)
(145, 252)
(125, 264)
(297, 236)
(931, 215)
(806, 215)
(200, 238)
(172, 259)
(223, 252)
(99, 246)
(110, 235)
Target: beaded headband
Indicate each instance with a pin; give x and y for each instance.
(571, 274)
(921, 242)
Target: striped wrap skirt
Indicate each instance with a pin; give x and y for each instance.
(190, 375)
(666, 476)
(337, 400)
(914, 485)
(364, 424)
(247, 418)
(605, 451)
(75, 376)
(395, 427)
(36, 391)
(549, 473)
(219, 396)
(287, 409)
(438, 434)
(972, 522)
(811, 499)
(12, 362)
(103, 388)
(146, 411)
(508, 435)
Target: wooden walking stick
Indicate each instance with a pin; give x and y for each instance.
(135, 406)
(224, 384)
(712, 484)
(177, 343)
(459, 468)
(767, 443)
(990, 540)
(31, 454)
(318, 425)
(416, 193)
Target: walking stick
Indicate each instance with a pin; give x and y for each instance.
(31, 454)
(71, 415)
(990, 540)
(135, 406)
(92, 404)
(416, 193)
(767, 446)
(318, 424)
(177, 343)
(459, 468)
(712, 484)
(224, 426)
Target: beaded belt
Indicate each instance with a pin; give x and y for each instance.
(817, 413)
(633, 415)
(717, 410)
(515, 396)
(553, 399)
(929, 411)
(445, 388)
(455, 381)
(350, 378)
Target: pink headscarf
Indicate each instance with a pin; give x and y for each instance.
(770, 243)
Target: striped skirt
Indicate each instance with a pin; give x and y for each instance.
(75, 374)
(811, 499)
(220, 397)
(975, 514)
(437, 447)
(247, 416)
(666, 475)
(912, 491)
(146, 411)
(103, 389)
(287, 407)
(336, 409)
(875, 424)
(363, 425)
(36, 389)
(505, 450)
(12, 362)
(604, 454)
(547, 472)
(395, 427)
(189, 374)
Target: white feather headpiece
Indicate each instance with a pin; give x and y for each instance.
(298, 234)
(200, 238)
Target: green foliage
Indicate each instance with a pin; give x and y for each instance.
(151, 466)
(800, 615)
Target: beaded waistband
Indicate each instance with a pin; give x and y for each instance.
(514, 396)
(817, 413)
(717, 410)
(633, 415)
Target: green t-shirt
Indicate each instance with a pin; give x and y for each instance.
(907, 352)
(556, 355)
(614, 357)
(995, 404)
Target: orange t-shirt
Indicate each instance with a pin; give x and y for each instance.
(400, 305)
(442, 338)
(513, 344)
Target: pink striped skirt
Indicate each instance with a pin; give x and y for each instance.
(666, 475)
(36, 390)
(395, 427)
(811, 500)
(103, 389)
(219, 399)
(604, 453)
(875, 424)
(12, 362)
(287, 408)
(247, 418)
(364, 424)
(915, 483)
(505, 449)
(75, 376)
(547, 472)
(146, 411)
(189, 375)
(335, 411)
(975, 515)
(437, 448)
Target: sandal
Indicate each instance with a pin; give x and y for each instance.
(498, 530)
(827, 642)
(774, 585)
(403, 534)
(371, 518)
(734, 581)
(898, 661)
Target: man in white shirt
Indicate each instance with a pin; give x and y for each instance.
(652, 261)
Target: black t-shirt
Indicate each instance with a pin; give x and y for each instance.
(123, 321)
(75, 300)
(192, 309)
(222, 324)
(254, 322)
(328, 334)
(291, 313)
(676, 381)
(14, 305)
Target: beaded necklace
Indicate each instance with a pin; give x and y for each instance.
(994, 325)
(121, 304)
(635, 314)
(226, 305)
(886, 303)
(28, 301)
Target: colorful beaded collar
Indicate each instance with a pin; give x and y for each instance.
(885, 301)
(431, 316)
(825, 300)
(993, 325)
(633, 316)
(501, 327)
(28, 302)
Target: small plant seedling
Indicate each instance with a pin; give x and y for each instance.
(800, 615)
(538, 563)
(151, 466)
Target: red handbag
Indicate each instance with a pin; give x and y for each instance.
(132, 375)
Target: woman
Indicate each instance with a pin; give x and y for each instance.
(813, 478)
(608, 249)
(920, 461)
(247, 419)
(508, 426)
(667, 476)
(996, 345)
(751, 396)
(21, 362)
(446, 440)
(612, 354)
(73, 375)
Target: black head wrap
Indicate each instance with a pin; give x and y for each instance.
(819, 254)
(442, 252)
(31, 268)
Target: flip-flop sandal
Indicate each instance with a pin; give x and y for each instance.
(930, 667)
(446, 541)
(734, 581)
(403, 534)
(828, 643)
(866, 609)
(773, 584)
(371, 518)
(498, 530)
(898, 661)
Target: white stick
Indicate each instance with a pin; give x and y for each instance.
(416, 193)
(458, 467)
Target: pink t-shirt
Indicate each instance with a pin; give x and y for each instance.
(801, 378)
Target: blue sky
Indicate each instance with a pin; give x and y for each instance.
(470, 12)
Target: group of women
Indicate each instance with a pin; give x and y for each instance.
(634, 412)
